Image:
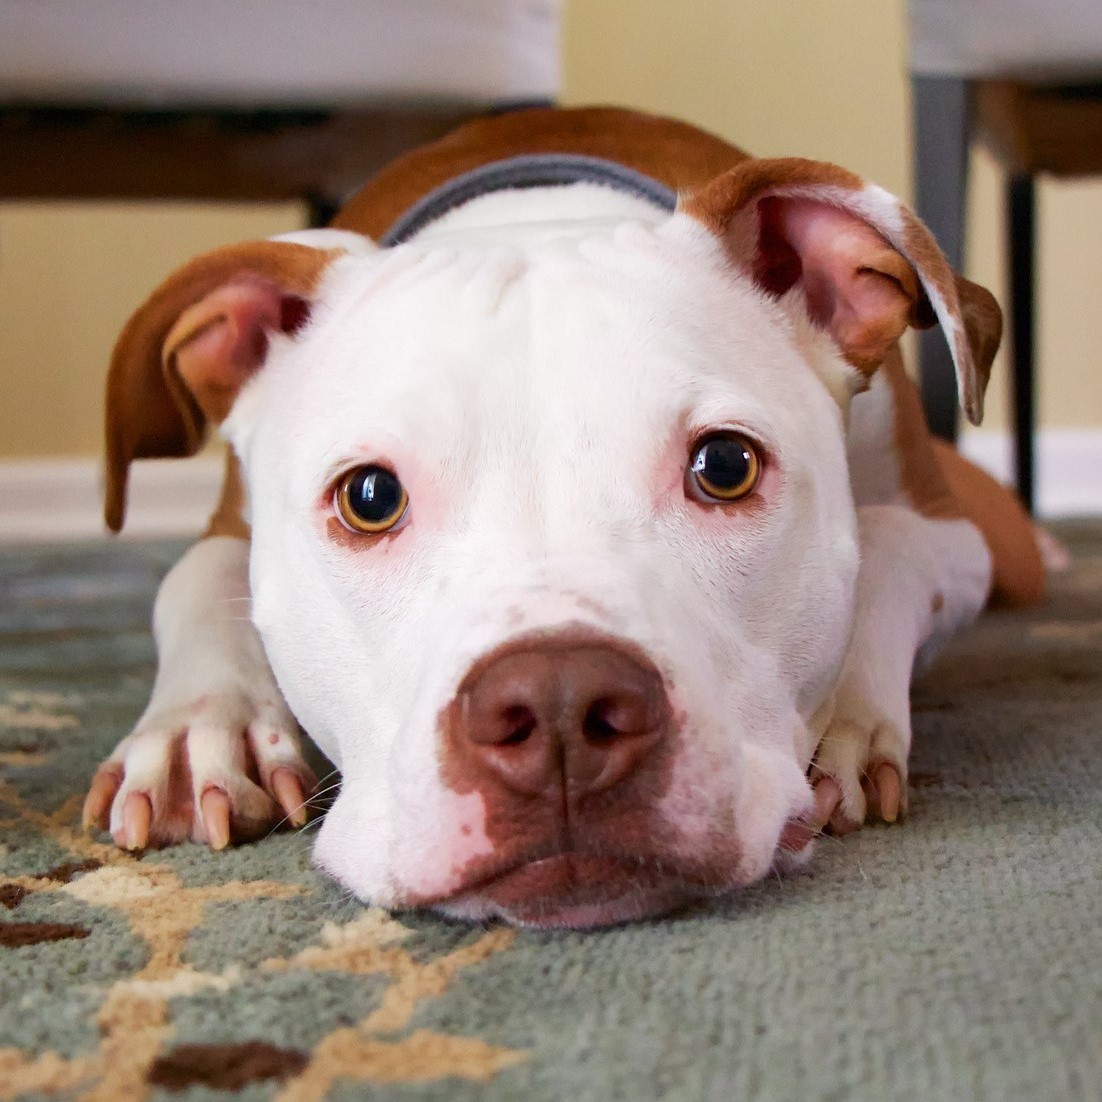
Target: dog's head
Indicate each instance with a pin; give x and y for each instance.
(553, 544)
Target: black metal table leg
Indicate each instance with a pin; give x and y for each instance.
(320, 211)
(1021, 243)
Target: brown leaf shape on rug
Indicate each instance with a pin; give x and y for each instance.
(15, 935)
(63, 874)
(11, 895)
(224, 1067)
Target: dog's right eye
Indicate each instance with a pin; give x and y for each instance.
(371, 500)
(724, 468)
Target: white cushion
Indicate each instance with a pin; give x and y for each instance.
(277, 52)
(1046, 39)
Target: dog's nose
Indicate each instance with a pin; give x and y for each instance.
(549, 715)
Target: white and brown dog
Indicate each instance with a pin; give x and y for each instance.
(594, 537)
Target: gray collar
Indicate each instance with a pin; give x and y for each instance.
(532, 170)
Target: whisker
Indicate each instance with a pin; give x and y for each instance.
(308, 802)
(316, 820)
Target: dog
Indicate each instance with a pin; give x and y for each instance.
(578, 507)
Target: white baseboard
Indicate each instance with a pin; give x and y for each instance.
(1068, 475)
(62, 499)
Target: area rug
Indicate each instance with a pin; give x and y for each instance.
(956, 956)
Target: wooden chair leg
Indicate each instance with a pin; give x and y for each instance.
(1021, 242)
(942, 120)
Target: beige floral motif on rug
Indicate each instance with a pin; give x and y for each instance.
(135, 1050)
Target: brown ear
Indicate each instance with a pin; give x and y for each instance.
(983, 324)
(181, 359)
(867, 266)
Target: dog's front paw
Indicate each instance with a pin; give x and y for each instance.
(223, 768)
(860, 769)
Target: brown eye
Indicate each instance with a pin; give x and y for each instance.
(371, 500)
(724, 467)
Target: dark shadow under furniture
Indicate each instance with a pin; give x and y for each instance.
(313, 155)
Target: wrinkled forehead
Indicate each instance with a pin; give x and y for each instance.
(602, 334)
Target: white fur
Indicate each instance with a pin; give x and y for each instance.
(874, 468)
(536, 368)
(214, 701)
(921, 580)
(540, 214)
(544, 458)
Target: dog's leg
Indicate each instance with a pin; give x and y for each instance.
(920, 580)
(215, 756)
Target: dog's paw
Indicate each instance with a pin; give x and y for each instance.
(225, 768)
(860, 769)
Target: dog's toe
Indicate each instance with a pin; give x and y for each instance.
(135, 820)
(860, 775)
(101, 794)
(885, 792)
(222, 770)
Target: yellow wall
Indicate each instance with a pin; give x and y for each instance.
(776, 76)
(70, 274)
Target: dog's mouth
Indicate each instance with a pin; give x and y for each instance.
(576, 891)
(587, 888)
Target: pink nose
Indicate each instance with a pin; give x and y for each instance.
(552, 715)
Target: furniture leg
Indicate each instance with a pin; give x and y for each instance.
(942, 118)
(1021, 241)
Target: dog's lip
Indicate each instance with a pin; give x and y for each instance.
(579, 889)
(565, 877)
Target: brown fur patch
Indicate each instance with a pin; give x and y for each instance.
(225, 1067)
(17, 935)
(724, 198)
(976, 344)
(679, 155)
(923, 479)
(983, 325)
(229, 514)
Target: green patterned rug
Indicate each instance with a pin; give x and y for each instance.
(954, 957)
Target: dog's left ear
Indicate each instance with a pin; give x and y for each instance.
(867, 266)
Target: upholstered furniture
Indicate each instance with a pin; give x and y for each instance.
(254, 99)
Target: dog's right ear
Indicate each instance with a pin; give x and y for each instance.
(865, 266)
(184, 355)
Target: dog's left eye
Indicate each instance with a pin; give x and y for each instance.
(370, 499)
(723, 467)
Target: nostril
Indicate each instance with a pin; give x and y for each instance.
(612, 717)
(519, 722)
(597, 726)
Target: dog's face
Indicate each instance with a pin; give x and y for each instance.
(567, 685)
(553, 544)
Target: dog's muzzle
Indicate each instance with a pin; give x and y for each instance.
(567, 740)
